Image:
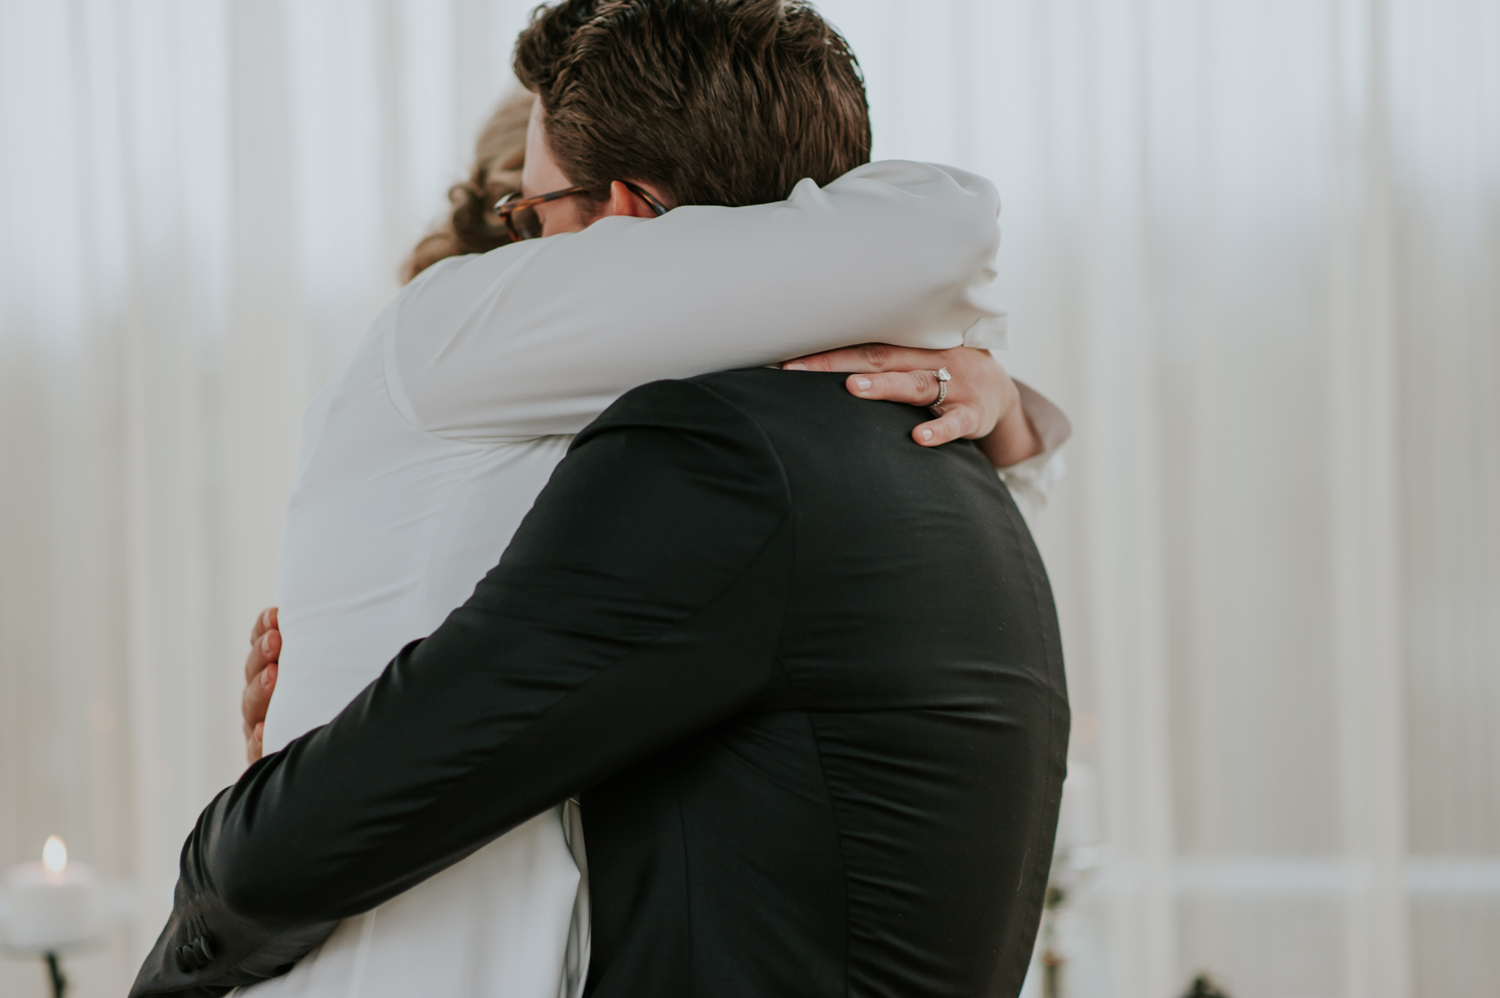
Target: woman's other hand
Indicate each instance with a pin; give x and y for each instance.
(982, 403)
(260, 679)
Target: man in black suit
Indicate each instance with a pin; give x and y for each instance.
(803, 675)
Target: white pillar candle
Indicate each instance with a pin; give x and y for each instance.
(52, 904)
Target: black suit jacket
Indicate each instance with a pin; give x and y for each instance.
(804, 674)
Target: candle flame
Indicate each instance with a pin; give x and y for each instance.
(54, 854)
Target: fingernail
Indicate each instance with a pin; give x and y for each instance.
(926, 434)
(265, 644)
(795, 365)
(863, 384)
(268, 676)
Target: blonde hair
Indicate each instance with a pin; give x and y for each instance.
(473, 226)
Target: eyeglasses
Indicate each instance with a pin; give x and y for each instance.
(524, 223)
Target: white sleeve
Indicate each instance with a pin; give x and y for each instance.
(540, 337)
(1030, 482)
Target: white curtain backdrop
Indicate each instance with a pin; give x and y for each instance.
(1252, 246)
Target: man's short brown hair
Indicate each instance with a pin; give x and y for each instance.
(713, 101)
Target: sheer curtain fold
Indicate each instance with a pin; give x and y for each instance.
(1252, 246)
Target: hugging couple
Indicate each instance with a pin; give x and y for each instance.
(620, 651)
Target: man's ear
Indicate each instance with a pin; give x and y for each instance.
(624, 201)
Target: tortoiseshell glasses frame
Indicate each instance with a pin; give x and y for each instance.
(529, 226)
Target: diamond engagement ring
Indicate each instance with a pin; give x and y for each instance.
(943, 377)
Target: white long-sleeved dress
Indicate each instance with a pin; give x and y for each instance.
(422, 454)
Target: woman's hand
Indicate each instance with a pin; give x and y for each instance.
(260, 679)
(982, 403)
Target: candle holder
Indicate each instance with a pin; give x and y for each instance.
(59, 982)
(53, 906)
(1204, 987)
(51, 960)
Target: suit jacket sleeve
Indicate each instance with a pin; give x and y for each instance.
(639, 603)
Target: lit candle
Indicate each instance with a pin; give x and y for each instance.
(53, 904)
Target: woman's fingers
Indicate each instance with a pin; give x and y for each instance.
(264, 650)
(958, 418)
(263, 623)
(257, 698)
(265, 643)
(261, 668)
(911, 387)
(868, 357)
(979, 393)
(956, 424)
